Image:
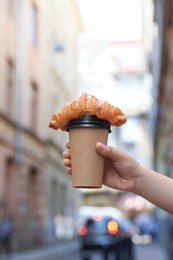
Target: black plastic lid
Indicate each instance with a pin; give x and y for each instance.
(88, 121)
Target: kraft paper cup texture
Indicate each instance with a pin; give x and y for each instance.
(87, 164)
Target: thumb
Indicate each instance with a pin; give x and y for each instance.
(109, 151)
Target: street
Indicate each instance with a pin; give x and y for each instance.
(141, 252)
(148, 252)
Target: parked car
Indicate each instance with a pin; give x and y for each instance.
(86, 212)
(99, 232)
(106, 229)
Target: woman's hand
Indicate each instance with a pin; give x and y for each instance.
(121, 170)
(125, 173)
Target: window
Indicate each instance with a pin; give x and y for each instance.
(10, 87)
(32, 190)
(8, 182)
(33, 24)
(54, 197)
(34, 106)
(62, 201)
(130, 133)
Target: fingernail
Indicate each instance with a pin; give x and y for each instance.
(101, 146)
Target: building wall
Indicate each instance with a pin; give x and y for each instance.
(62, 86)
(164, 89)
(163, 106)
(34, 83)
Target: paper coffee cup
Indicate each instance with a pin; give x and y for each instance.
(87, 164)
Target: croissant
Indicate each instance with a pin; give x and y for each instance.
(87, 104)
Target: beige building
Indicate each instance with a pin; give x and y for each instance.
(38, 74)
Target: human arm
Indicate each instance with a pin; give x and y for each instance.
(125, 173)
(156, 188)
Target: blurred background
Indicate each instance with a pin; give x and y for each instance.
(50, 52)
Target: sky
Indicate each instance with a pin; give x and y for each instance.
(117, 20)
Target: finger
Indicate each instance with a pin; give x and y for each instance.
(68, 145)
(69, 171)
(66, 154)
(67, 162)
(110, 152)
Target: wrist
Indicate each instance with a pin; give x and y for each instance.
(143, 180)
(140, 179)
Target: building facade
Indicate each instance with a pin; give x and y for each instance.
(38, 75)
(162, 63)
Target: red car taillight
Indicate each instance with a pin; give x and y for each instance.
(112, 227)
(82, 230)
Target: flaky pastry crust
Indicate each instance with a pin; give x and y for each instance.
(87, 104)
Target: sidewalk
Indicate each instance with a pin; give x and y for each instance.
(150, 252)
(47, 252)
(61, 251)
